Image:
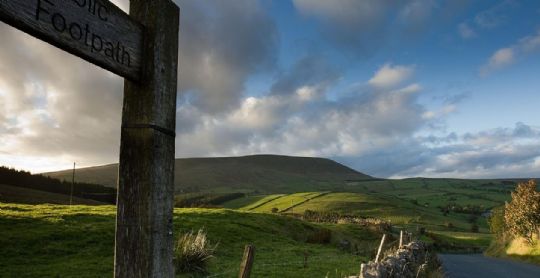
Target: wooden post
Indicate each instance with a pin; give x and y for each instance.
(380, 248)
(400, 238)
(144, 227)
(305, 258)
(72, 185)
(247, 261)
(362, 267)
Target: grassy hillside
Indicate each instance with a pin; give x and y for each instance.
(106, 175)
(399, 212)
(77, 241)
(21, 195)
(260, 173)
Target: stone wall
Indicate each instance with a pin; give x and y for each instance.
(411, 260)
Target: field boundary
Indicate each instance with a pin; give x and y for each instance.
(306, 200)
(266, 202)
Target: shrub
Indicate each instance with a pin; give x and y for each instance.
(449, 225)
(496, 221)
(275, 210)
(320, 236)
(522, 214)
(192, 252)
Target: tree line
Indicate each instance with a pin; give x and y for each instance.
(21, 178)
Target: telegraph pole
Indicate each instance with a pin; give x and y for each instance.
(72, 185)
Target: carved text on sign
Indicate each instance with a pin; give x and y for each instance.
(95, 30)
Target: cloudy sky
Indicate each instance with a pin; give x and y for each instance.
(391, 88)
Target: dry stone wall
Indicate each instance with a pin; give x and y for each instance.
(411, 260)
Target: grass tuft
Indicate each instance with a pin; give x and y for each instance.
(192, 252)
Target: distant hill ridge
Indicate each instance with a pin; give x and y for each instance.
(263, 173)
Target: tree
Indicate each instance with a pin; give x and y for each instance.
(496, 221)
(522, 213)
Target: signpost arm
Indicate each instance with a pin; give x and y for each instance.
(144, 228)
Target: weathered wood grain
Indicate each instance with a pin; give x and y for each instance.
(247, 262)
(95, 30)
(144, 227)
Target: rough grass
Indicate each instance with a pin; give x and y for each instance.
(460, 241)
(192, 252)
(78, 241)
(517, 249)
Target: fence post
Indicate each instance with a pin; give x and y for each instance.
(380, 248)
(362, 267)
(400, 238)
(247, 261)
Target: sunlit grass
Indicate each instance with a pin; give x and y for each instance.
(78, 241)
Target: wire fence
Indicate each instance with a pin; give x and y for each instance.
(267, 261)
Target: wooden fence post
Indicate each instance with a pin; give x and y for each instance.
(362, 267)
(247, 261)
(400, 238)
(380, 248)
(144, 219)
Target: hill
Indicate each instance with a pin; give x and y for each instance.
(255, 173)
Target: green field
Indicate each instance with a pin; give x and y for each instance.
(399, 212)
(77, 241)
(285, 202)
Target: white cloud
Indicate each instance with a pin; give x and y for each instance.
(530, 43)
(389, 76)
(501, 58)
(343, 11)
(465, 31)
(495, 15)
(54, 105)
(299, 124)
(55, 108)
(416, 13)
(361, 28)
(506, 56)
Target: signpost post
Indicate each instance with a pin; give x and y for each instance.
(143, 48)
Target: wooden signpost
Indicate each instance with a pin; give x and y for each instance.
(95, 30)
(143, 48)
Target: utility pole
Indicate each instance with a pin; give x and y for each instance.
(72, 185)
